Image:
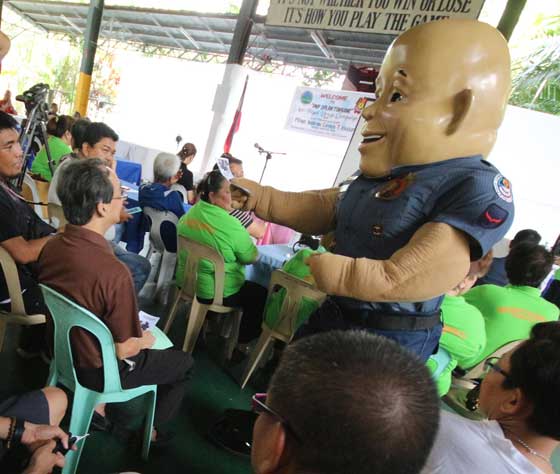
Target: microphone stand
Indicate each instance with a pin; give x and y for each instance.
(268, 156)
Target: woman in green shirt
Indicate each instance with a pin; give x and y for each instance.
(60, 142)
(209, 223)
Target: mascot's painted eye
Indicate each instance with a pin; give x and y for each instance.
(396, 97)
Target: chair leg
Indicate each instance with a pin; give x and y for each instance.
(173, 312)
(82, 412)
(3, 327)
(149, 423)
(233, 333)
(264, 340)
(194, 325)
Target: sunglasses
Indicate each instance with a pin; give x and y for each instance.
(258, 404)
(492, 364)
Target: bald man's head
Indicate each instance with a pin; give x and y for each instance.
(442, 91)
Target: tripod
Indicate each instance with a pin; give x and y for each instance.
(268, 157)
(35, 127)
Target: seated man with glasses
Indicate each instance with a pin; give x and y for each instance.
(81, 265)
(345, 402)
(98, 140)
(520, 396)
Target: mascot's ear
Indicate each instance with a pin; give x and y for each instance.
(461, 105)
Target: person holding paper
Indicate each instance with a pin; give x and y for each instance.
(81, 265)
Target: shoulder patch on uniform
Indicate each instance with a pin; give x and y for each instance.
(502, 186)
(494, 216)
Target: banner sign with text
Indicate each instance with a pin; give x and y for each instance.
(367, 16)
(332, 114)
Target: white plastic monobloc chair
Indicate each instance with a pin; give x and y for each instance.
(17, 315)
(163, 261)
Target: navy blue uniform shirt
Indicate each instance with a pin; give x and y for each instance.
(378, 216)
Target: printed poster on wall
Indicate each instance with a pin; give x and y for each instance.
(367, 16)
(332, 114)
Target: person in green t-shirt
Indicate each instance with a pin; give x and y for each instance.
(463, 335)
(60, 141)
(511, 311)
(209, 223)
(297, 267)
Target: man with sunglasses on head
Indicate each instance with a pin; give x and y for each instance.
(345, 402)
(519, 395)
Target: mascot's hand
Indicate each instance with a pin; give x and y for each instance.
(245, 194)
(327, 269)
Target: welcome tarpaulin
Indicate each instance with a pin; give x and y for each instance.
(367, 16)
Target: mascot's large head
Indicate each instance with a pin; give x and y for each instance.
(441, 93)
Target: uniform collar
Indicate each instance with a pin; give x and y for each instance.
(401, 170)
(530, 290)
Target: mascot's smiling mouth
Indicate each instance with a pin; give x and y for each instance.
(372, 138)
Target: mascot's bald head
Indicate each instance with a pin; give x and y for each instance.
(441, 93)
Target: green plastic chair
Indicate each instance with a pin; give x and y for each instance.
(67, 315)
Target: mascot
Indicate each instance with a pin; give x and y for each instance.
(424, 203)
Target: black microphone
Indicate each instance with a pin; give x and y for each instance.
(258, 147)
(309, 241)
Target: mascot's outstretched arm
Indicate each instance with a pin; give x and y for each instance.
(434, 261)
(308, 212)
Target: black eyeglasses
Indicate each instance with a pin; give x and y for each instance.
(259, 406)
(492, 364)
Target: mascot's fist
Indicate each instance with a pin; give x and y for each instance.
(327, 270)
(245, 194)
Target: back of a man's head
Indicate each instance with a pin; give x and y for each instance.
(96, 131)
(360, 404)
(84, 184)
(528, 264)
(526, 235)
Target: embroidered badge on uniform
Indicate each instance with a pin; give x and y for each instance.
(502, 186)
(394, 188)
(494, 216)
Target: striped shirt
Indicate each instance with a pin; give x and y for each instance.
(242, 216)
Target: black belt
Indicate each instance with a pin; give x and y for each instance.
(391, 322)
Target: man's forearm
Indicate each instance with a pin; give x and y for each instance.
(435, 260)
(129, 348)
(133, 345)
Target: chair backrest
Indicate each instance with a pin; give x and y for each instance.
(34, 191)
(181, 189)
(478, 370)
(157, 218)
(67, 315)
(296, 290)
(57, 214)
(11, 276)
(195, 252)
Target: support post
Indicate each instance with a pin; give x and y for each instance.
(95, 14)
(232, 81)
(510, 17)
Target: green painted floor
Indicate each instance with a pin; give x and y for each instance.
(209, 393)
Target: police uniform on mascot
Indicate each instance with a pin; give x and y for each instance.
(425, 202)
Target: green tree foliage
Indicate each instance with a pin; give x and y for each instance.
(536, 75)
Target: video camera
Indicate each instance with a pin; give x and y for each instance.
(36, 97)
